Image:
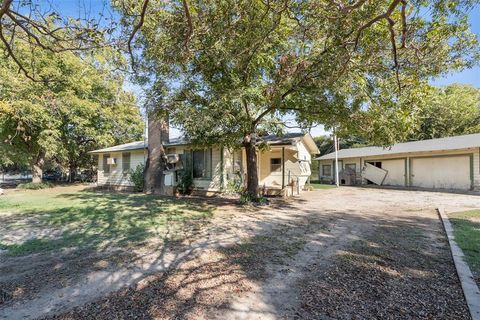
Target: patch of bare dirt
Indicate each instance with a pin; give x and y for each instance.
(22, 278)
(397, 271)
(345, 253)
(190, 291)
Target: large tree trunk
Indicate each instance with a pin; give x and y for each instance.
(37, 167)
(158, 134)
(252, 173)
(73, 172)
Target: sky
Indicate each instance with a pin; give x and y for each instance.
(79, 7)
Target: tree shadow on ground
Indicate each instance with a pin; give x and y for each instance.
(100, 220)
(387, 268)
(94, 231)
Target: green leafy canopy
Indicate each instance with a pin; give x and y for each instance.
(228, 69)
(79, 106)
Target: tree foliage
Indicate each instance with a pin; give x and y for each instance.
(326, 145)
(230, 70)
(83, 109)
(449, 111)
(435, 112)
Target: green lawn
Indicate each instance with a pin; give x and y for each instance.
(466, 228)
(64, 217)
(321, 186)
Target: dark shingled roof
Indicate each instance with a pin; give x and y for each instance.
(450, 143)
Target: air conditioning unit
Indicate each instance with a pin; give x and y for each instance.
(173, 158)
(112, 161)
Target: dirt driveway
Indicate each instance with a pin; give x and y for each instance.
(348, 253)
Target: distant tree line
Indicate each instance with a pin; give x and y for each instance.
(447, 111)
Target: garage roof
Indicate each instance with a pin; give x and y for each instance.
(450, 143)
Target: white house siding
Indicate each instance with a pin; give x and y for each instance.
(304, 164)
(225, 166)
(266, 176)
(232, 164)
(297, 166)
(395, 164)
(116, 176)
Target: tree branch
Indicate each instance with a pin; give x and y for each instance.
(367, 25)
(5, 7)
(135, 30)
(186, 8)
(11, 54)
(391, 23)
(404, 24)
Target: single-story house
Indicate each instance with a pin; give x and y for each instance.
(286, 162)
(446, 163)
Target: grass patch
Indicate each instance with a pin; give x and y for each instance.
(321, 186)
(466, 229)
(83, 219)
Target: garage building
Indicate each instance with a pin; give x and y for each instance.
(447, 163)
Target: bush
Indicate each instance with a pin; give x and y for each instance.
(185, 183)
(35, 185)
(235, 185)
(246, 198)
(137, 178)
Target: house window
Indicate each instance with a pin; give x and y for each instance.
(275, 164)
(126, 161)
(351, 166)
(327, 170)
(202, 164)
(106, 167)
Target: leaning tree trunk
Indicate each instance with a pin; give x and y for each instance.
(252, 173)
(158, 132)
(37, 167)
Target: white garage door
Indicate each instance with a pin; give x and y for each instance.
(441, 173)
(396, 172)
